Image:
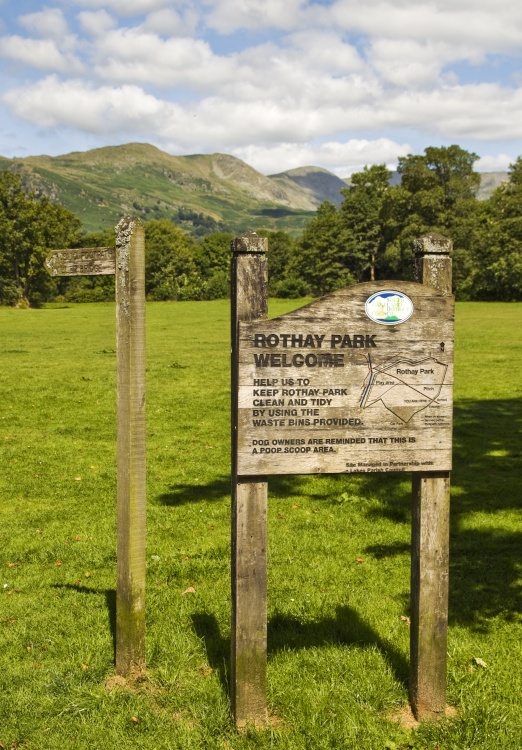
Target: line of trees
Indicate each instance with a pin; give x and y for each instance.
(369, 236)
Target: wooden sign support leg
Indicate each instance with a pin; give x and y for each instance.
(430, 536)
(249, 510)
(130, 340)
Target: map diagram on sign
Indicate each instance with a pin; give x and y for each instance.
(403, 386)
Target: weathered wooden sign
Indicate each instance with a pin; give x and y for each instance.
(359, 381)
(85, 261)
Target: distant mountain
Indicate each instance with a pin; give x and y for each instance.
(202, 191)
(319, 184)
(101, 185)
(489, 181)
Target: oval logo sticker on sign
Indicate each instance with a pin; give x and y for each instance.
(389, 307)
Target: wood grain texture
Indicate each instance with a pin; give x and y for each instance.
(326, 389)
(430, 534)
(249, 510)
(429, 587)
(85, 261)
(131, 493)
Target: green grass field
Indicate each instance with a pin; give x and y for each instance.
(338, 628)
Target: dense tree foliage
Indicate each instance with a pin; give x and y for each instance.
(29, 227)
(369, 236)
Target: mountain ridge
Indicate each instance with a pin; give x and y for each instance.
(215, 191)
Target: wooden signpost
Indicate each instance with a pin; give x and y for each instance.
(127, 262)
(359, 381)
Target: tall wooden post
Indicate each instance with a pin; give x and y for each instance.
(249, 508)
(430, 535)
(130, 346)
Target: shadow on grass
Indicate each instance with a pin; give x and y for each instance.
(110, 602)
(220, 488)
(286, 632)
(346, 627)
(484, 562)
(217, 646)
(180, 494)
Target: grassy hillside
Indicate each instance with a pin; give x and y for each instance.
(101, 185)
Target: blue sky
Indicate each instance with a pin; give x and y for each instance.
(278, 83)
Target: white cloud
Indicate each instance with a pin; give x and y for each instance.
(96, 22)
(131, 55)
(333, 84)
(126, 7)
(227, 16)
(407, 62)
(169, 22)
(494, 163)
(42, 54)
(495, 26)
(341, 158)
(47, 23)
(52, 103)
(480, 111)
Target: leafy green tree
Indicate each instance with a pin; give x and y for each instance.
(170, 268)
(496, 252)
(282, 281)
(319, 258)
(29, 228)
(361, 214)
(436, 194)
(212, 257)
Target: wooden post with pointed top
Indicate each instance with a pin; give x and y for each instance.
(127, 261)
(430, 535)
(131, 493)
(249, 508)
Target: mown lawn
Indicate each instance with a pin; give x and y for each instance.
(338, 627)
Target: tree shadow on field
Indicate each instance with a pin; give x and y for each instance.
(180, 494)
(287, 632)
(110, 602)
(485, 561)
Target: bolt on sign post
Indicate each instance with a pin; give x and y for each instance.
(127, 262)
(359, 381)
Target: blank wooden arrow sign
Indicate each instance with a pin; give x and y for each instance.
(84, 261)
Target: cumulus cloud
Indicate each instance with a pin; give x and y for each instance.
(479, 27)
(42, 54)
(135, 55)
(342, 158)
(126, 7)
(279, 82)
(168, 21)
(96, 22)
(497, 163)
(53, 103)
(227, 16)
(48, 23)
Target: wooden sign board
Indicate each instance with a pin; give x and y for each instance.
(85, 261)
(359, 381)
